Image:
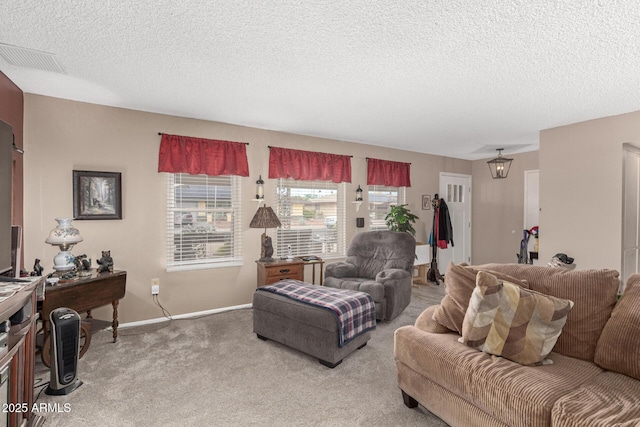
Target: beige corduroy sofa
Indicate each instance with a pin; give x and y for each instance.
(594, 379)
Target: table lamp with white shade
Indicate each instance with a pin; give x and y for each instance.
(65, 236)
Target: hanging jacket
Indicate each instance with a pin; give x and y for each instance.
(442, 231)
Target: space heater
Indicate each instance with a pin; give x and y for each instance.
(65, 349)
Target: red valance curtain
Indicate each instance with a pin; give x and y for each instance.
(385, 172)
(185, 154)
(309, 165)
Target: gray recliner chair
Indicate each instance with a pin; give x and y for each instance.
(379, 263)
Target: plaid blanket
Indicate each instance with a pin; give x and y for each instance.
(355, 311)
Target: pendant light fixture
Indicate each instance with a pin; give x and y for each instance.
(499, 166)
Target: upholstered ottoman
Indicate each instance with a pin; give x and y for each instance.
(311, 319)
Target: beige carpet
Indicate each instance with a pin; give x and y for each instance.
(214, 371)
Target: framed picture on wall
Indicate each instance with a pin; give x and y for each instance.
(97, 195)
(426, 202)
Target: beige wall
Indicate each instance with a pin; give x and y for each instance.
(498, 210)
(581, 189)
(62, 135)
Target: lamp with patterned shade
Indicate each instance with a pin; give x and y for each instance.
(265, 218)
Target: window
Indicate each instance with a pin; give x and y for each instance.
(203, 221)
(381, 198)
(312, 214)
(455, 193)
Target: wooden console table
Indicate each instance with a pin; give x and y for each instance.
(82, 295)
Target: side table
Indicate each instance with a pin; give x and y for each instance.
(271, 272)
(82, 295)
(313, 260)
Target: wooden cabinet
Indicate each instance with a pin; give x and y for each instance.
(18, 357)
(271, 272)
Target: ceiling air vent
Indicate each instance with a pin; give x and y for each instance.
(28, 58)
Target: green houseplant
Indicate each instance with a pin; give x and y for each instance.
(401, 219)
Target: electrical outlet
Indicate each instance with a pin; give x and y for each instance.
(155, 289)
(155, 281)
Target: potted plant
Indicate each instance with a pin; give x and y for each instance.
(401, 219)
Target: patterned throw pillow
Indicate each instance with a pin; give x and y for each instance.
(593, 293)
(518, 324)
(459, 283)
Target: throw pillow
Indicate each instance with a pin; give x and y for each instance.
(459, 283)
(518, 324)
(592, 291)
(619, 343)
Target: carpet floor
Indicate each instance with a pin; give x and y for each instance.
(214, 371)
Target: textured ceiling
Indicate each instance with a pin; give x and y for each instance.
(454, 78)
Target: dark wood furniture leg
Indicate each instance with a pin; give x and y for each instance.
(115, 322)
(408, 400)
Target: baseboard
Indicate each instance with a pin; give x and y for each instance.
(183, 316)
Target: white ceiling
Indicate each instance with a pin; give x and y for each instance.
(448, 77)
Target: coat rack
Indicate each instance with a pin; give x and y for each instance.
(433, 275)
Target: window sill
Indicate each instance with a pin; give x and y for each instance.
(205, 266)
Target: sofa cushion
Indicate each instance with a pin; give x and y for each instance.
(594, 293)
(517, 395)
(459, 282)
(426, 323)
(609, 399)
(619, 344)
(509, 321)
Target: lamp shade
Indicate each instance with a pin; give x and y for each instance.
(265, 217)
(499, 166)
(64, 234)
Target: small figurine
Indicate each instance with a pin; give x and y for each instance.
(37, 268)
(83, 265)
(105, 263)
(266, 251)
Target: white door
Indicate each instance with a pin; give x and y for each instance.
(455, 190)
(630, 213)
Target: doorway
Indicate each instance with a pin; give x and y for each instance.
(630, 212)
(455, 190)
(531, 206)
